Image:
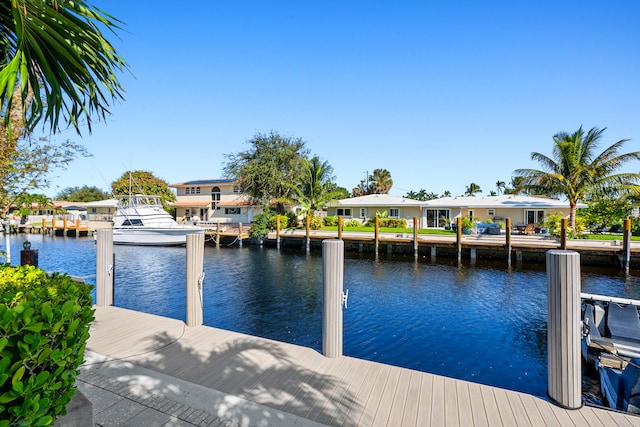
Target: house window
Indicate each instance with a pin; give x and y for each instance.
(343, 211)
(232, 211)
(363, 212)
(187, 213)
(394, 213)
(215, 194)
(94, 210)
(491, 212)
(187, 190)
(197, 190)
(236, 189)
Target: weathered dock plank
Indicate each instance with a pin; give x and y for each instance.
(341, 391)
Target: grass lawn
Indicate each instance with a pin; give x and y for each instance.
(390, 230)
(615, 236)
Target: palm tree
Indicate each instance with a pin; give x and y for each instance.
(54, 51)
(500, 186)
(447, 193)
(472, 189)
(576, 172)
(380, 182)
(313, 191)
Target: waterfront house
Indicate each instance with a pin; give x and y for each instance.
(365, 207)
(438, 213)
(213, 200)
(101, 210)
(521, 209)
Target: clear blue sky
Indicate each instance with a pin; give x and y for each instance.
(441, 94)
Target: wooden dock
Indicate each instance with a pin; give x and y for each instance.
(341, 391)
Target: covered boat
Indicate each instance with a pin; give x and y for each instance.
(611, 344)
(141, 220)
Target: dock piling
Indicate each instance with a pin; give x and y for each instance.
(333, 278)
(195, 279)
(104, 267)
(563, 328)
(626, 245)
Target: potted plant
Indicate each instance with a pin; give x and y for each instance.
(467, 225)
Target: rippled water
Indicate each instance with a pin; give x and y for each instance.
(481, 323)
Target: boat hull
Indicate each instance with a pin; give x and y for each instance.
(143, 236)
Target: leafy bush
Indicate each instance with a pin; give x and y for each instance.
(292, 220)
(353, 223)
(467, 222)
(393, 223)
(44, 325)
(284, 222)
(330, 221)
(315, 222)
(261, 223)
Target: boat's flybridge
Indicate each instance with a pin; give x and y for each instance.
(133, 200)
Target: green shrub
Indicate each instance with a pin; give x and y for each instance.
(392, 222)
(44, 327)
(330, 221)
(315, 222)
(352, 223)
(292, 220)
(284, 222)
(260, 225)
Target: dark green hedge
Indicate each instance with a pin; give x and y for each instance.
(44, 327)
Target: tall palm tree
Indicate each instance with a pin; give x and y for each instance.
(575, 172)
(500, 186)
(54, 50)
(472, 189)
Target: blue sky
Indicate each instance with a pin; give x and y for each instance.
(441, 94)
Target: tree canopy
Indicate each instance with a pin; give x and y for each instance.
(379, 182)
(267, 170)
(472, 189)
(143, 182)
(82, 194)
(576, 172)
(54, 53)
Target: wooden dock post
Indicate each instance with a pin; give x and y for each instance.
(308, 228)
(563, 233)
(7, 242)
(340, 227)
(626, 245)
(195, 278)
(104, 267)
(459, 238)
(507, 242)
(563, 328)
(240, 234)
(415, 237)
(65, 226)
(218, 233)
(377, 234)
(333, 278)
(278, 231)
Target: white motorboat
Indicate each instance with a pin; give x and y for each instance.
(141, 220)
(611, 343)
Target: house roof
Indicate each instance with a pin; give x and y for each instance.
(204, 182)
(377, 200)
(108, 203)
(505, 201)
(190, 204)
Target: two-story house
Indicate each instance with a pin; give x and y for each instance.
(213, 200)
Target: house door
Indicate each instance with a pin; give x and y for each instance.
(437, 218)
(534, 217)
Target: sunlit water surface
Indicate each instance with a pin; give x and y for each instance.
(482, 323)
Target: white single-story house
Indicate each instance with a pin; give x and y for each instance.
(213, 200)
(521, 209)
(438, 213)
(365, 207)
(101, 210)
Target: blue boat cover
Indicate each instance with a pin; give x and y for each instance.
(623, 322)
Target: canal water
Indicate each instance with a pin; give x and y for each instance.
(482, 323)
